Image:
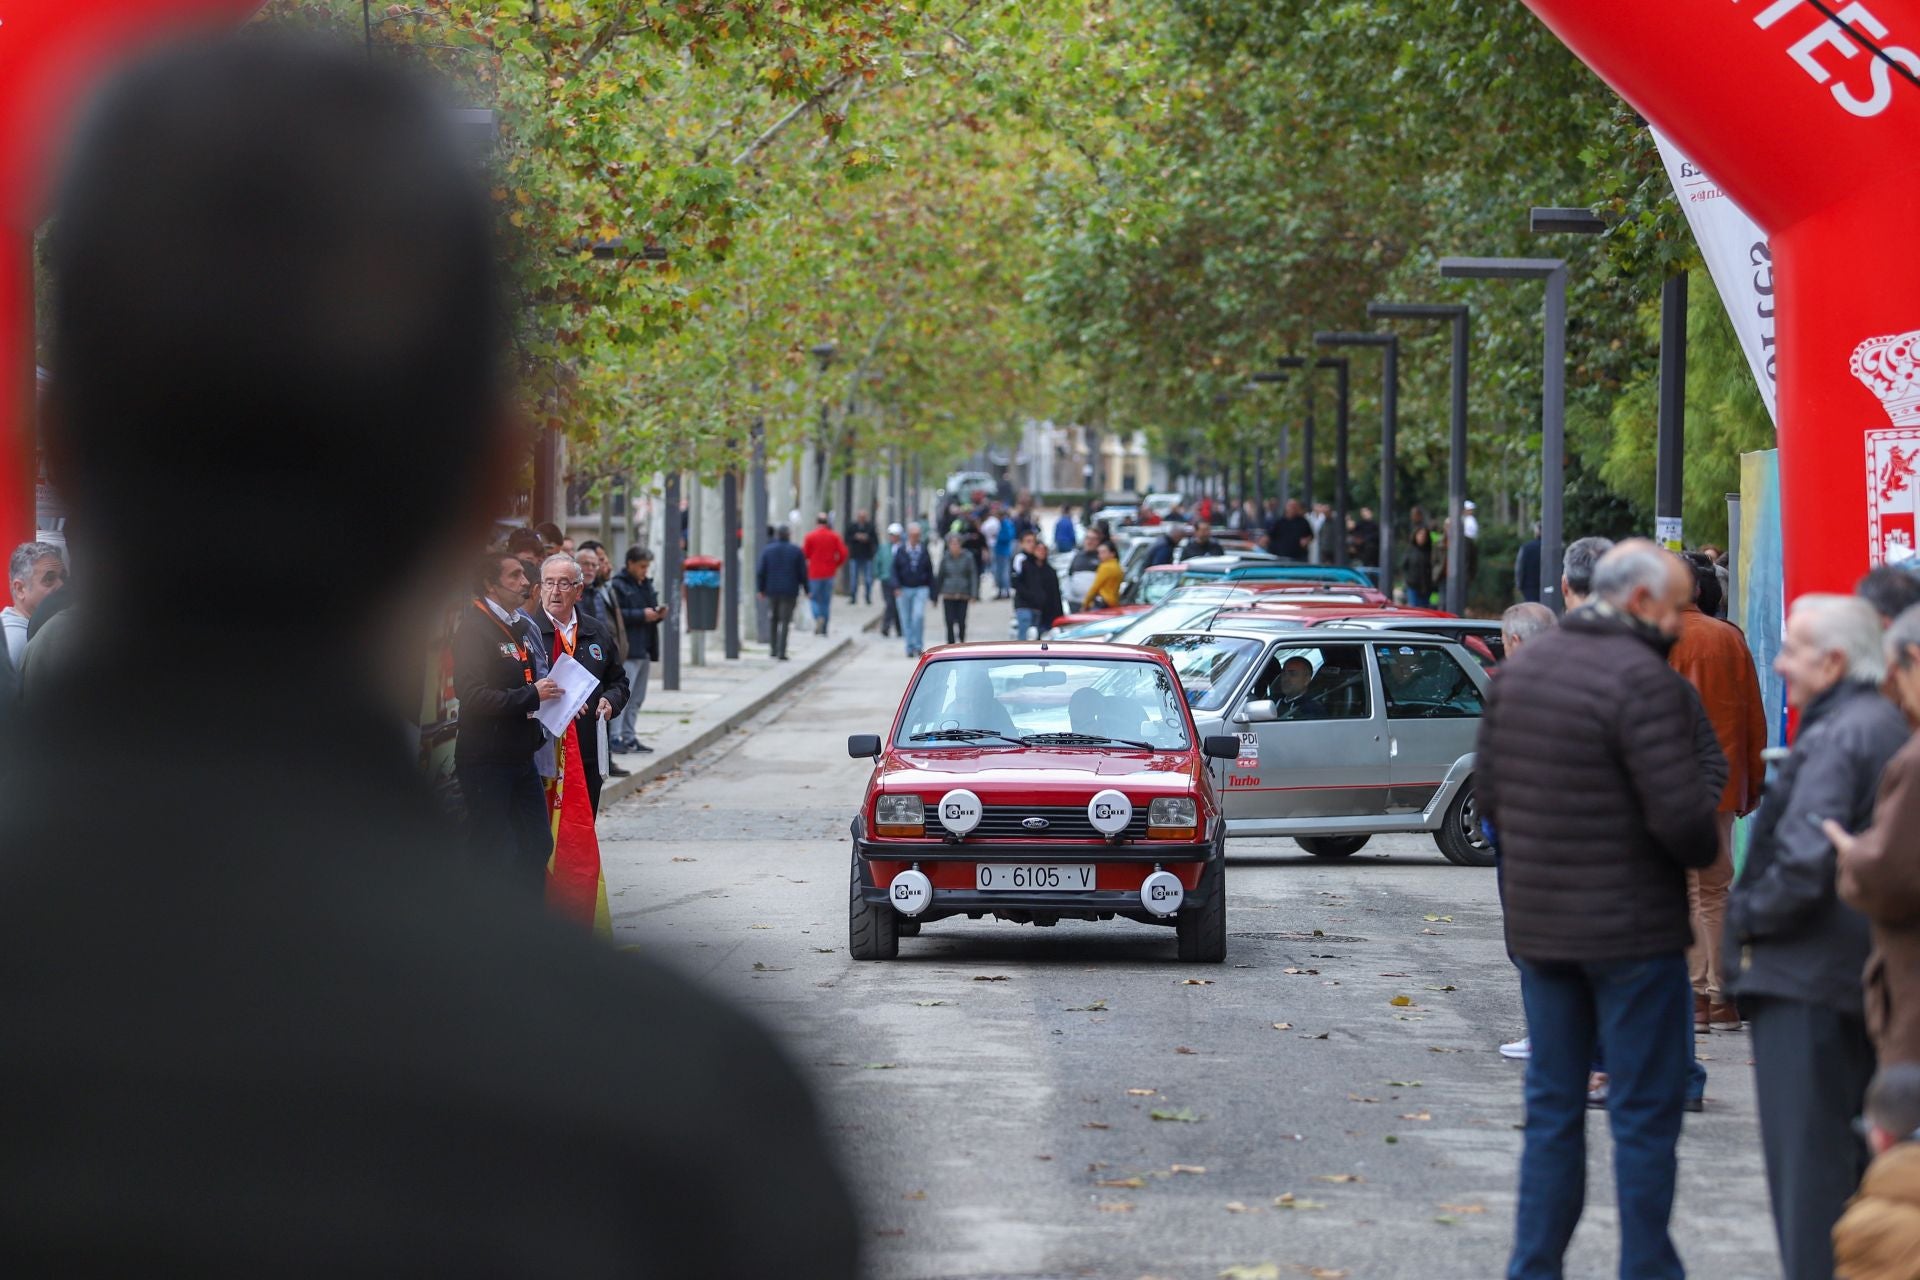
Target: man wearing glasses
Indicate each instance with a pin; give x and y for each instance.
(566, 630)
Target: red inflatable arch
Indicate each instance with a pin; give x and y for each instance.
(51, 53)
(1806, 114)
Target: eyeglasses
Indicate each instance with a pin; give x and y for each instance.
(558, 584)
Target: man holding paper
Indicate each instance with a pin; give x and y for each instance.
(594, 689)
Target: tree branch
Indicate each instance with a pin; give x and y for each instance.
(779, 126)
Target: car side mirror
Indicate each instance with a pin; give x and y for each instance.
(863, 746)
(1220, 746)
(1257, 709)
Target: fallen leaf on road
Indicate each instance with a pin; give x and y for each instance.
(928, 1004)
(1391, 1139)
(998, 977)
(1448, 987)
(1464, 1208)
(825, 951)
(1184, 1049)
(1401, 1002)
(1196, 982)
(1234, 1206)
(678, 858)
(759, 926)
(1354, 1097)
(880, 1066)
(1436, 1048)
(1441, 919)
(1323, 1035)
(1283, 1026)
(1394, 975)
(1289, 1201)
(1319, 933)
(1143, 1093)
(1188, 1168)
(1183, 1115)
(1312, 972)
(1327, 1273)
(1096, 1124)
(1339, 1177)
(1403, 1084)
(1446, 1220)
(1095, 1007)
(1114, 1206)
(1434, 932)
(758, 967)
(1417, 1115)
(1133, 1183)
(1253, 1271)
(914, 1195)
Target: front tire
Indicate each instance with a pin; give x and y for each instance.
(1332, 846)
(871, 931)
(1460, 839)
(1201, 932)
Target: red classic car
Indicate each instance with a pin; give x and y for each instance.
(1040, 782)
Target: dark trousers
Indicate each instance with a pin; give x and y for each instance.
(890, 623)
(956, 612)
(781, 608)
(507, 823)
(1643, 1010)
(1811, 1064)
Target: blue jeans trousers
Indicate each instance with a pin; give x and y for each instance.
(1643, 1009)
(1027, 623)
(1003, 572)
(913, 618)
(820, 591)
(859, 571)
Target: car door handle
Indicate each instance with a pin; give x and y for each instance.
(1393, 747)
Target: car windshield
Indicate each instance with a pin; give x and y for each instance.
(1210, 666)
(1177, 614)
(1040, 700)
(1155, 587)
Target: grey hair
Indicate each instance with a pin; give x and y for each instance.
(1630, 566)
(1848, 626)
(1577, 565)
(1902, 632)
(565, 557)
(28, 554)
(1524, 621)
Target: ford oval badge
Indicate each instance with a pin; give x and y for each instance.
(1036, 824)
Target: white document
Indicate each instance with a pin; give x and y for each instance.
(600, 732)
(576, 686)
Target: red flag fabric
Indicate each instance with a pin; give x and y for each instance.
(576, 884)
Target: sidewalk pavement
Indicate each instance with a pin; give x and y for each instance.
(714, 698)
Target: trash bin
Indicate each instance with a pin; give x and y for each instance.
(702, 578)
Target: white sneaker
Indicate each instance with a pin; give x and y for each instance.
(1521, 1049)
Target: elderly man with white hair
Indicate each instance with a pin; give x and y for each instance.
(1522, 622)
(1794, 949)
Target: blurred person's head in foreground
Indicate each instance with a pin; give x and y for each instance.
(274, 301)
(1522, 622)
(1890, 589)
(1892, 1111)
(35, 571)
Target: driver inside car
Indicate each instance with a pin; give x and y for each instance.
(971, 703)
(1291, 700)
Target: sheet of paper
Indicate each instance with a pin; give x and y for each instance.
(601, 733)
(576, 686)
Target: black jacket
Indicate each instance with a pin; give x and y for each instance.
(299, 1031)
(493, 675)
(1787, 933)
(912, 566)
(1592, 766)
(1193, 549)
(1288, 536)
(636, 596)
(862, 540)
(1036, 586)
(782, 570)
(592, 649)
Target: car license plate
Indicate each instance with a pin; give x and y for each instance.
(1065, 877)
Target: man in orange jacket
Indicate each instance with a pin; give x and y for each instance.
(1714, 658)
(825, 554)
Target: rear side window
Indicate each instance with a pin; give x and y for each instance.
(1425, 682)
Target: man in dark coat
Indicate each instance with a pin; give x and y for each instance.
(779, 579)
(1290, 536)
(1597, 830)
(565, 628)
(1794, 950)
(280, 1024)
(1166, 547)
(641, 610)
(1526, 570)
(1036, 593)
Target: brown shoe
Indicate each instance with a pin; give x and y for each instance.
(1724, 1017)
(1701, 1017)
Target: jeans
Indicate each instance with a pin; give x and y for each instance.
(913, 619)
(858, 570)
(637, 669)
(956, 615)
(1003, 572)
(890, 621)
(821, 591)
(780, 608)
(1026, 621)
(507, 822)
(1644, 1010)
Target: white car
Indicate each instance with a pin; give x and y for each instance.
(1161, 503)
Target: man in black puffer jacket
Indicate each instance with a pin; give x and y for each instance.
(1794, 950)
(1594, 773)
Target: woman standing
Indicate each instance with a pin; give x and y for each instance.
(1105, 592)
(1416, 565)
(959, 580)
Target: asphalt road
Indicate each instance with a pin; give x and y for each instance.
(995, 1090)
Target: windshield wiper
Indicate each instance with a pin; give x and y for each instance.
(1083, 740)
(964, 735)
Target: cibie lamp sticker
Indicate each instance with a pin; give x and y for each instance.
(1890, 368)
(1109, 811)
(959, 811)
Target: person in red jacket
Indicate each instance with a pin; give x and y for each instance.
(825, 554)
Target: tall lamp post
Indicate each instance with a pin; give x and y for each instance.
(1339, 365)
(1389, 345)
(1553, 398)
(1460, 316)
(1274, 377)
(822, 353)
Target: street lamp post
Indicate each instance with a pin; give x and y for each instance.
(1389, 345)
(1275, 377)
(1460, 316)
(1553, 397)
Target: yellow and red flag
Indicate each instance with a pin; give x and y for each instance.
(576, 883)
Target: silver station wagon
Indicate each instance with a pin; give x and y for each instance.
(1343, 735)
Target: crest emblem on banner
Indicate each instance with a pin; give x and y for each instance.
(1890, 368)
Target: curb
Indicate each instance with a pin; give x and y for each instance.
(614, 790)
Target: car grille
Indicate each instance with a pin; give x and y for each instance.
(1005, 822)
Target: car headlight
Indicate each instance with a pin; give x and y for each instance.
(1173, 816)
(899, 816)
